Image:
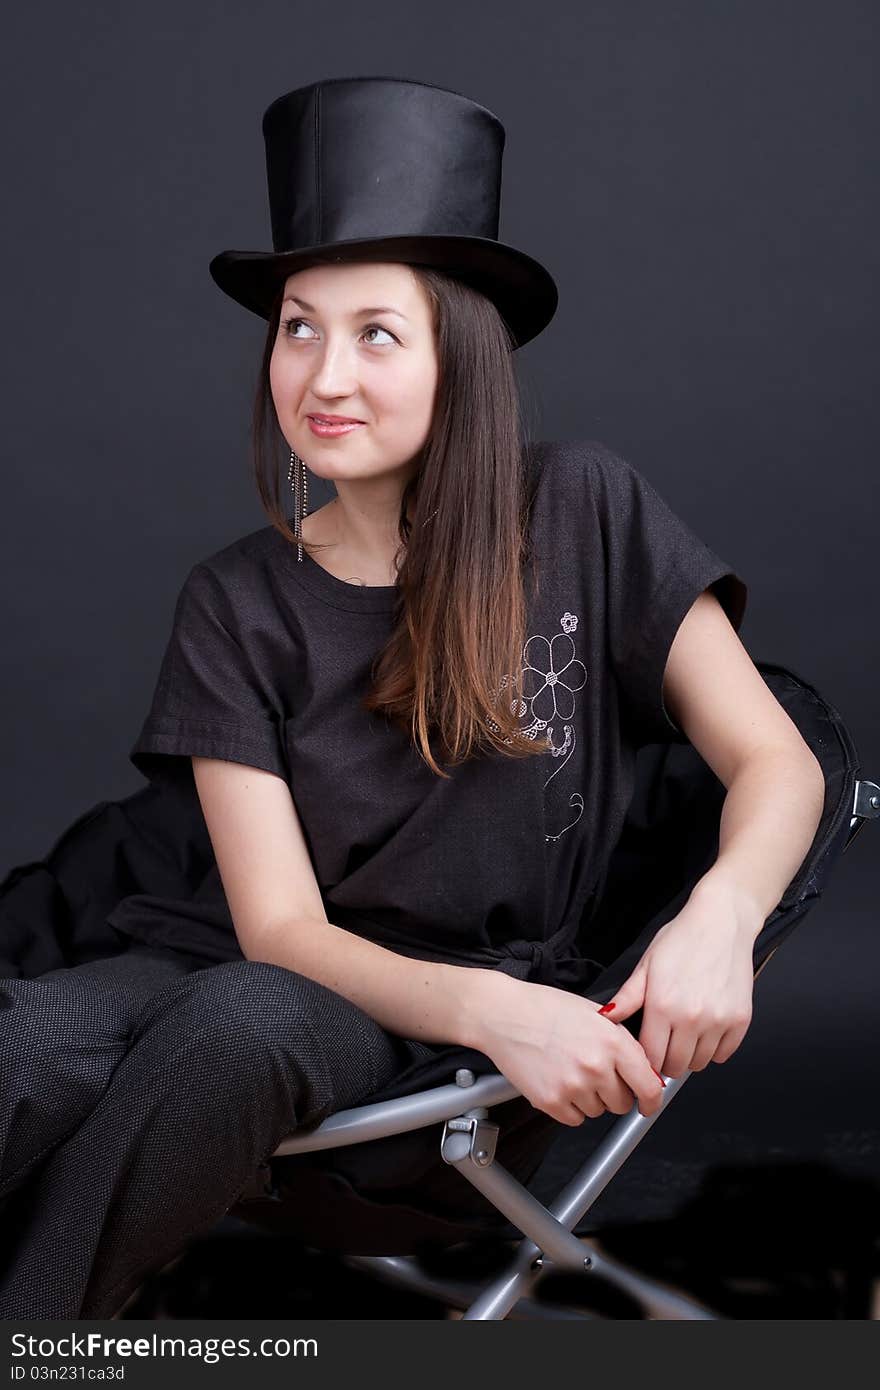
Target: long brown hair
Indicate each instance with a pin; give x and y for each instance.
(452, 666)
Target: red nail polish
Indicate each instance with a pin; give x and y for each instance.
(606, 1008)
(658, 1076)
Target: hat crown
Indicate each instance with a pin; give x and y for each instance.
(385, 169)
(351, 158)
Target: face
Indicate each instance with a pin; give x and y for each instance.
(356, 340)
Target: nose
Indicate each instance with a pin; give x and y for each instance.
(334, 374)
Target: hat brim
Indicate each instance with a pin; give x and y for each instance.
(524, 292)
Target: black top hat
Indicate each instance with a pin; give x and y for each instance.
(381, 169)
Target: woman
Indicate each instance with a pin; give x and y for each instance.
(410, 721)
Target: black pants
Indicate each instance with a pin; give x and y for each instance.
(138, 1094)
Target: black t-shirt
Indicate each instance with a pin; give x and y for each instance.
(502, 864)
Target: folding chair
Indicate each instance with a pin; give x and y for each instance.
(377, 1184)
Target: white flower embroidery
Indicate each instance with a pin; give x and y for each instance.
(550, 677)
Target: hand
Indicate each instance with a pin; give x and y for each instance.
(560, 1052)
(695, 984)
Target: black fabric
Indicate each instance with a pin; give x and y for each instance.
(182, 1080)
(501, 864)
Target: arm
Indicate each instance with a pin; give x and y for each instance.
(426, 1000)
(768, 822)
(695, 979)
(279, 916)
(775, 784)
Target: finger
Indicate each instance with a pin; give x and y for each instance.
(705, 1050)
(628, 999)
(654, 1037)
(730, 1041)
(616, 1096)
(683, 1041)
(639, 1076)
(591, 1109)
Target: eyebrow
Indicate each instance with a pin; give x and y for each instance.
(358, 313)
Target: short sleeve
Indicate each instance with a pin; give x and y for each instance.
(656, 566)
(208, 700)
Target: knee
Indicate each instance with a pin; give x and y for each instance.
(285, 1026)
(282, 1042)
(241, 1011)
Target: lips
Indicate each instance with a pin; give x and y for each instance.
(333, 429)
(335, 419)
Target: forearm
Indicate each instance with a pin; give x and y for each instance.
(424, 1000)
(768, 822)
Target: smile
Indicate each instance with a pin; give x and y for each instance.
(328, 431)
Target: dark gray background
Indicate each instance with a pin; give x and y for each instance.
(702, 181)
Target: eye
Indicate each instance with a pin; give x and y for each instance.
(377, 328)
(290, 325)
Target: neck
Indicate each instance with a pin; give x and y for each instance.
(365, 562)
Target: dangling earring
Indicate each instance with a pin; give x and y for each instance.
(300, 486)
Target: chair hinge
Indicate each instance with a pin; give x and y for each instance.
(866, 800)
(483, 1138)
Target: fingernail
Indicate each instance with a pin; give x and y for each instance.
(658, 1076)
(606, 1008)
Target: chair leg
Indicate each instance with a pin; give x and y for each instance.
(407, 1272)
(468, 1144)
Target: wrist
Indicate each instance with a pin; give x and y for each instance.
(718, 886)
(476, 988)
